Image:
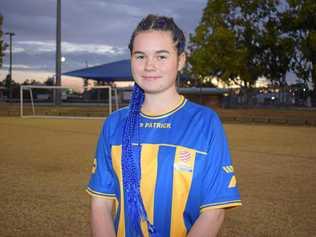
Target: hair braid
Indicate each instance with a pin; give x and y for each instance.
(131, 166)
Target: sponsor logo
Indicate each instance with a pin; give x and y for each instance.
(155, 125)
(180, 166)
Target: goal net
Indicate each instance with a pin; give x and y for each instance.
(95, 102)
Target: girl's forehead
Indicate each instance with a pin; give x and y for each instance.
(153, 39)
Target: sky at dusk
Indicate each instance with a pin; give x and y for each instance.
(93, 31)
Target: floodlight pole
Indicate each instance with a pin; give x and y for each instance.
(11, 34)
(58, 52)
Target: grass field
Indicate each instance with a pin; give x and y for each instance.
(45, 165)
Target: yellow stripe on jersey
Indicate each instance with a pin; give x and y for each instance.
(233, 182)
(182, 179)
(116, 162)
(228, 205)
(149, 163)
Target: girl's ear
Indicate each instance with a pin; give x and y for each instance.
(181, 61)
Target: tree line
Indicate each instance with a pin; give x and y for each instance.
(238, 41)
(13, 87)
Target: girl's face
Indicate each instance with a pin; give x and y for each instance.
(155, 61)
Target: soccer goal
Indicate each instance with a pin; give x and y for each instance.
(93, 102)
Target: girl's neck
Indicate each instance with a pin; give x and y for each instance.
(156, 104)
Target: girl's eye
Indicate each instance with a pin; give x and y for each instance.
(139, 57)
(162, 57)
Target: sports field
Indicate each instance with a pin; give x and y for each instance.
(45, 165)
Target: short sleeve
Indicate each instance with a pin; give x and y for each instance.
(102, 180)
(219, 185)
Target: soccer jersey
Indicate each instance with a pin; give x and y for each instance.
(185, 168)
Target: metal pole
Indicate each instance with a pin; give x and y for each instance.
(10, 70)
(32, 100)
(116, 99)
(11, 34)
(110, 100)
(58, 51)
(21, 101)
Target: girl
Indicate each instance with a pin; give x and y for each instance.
(162, 166)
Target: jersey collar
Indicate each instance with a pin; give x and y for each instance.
(181, 103)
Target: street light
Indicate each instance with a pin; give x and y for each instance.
(11, 34)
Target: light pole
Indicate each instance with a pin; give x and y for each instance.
(58, 51)
(11, 34)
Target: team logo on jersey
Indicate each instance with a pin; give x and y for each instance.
(229, 169)
(94, 166)
(184, 156)
(184, 161)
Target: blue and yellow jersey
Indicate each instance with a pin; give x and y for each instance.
(185, 167)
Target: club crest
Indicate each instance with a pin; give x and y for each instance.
(184, 156)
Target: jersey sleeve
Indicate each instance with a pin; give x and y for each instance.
(102, 180)
(219, 185)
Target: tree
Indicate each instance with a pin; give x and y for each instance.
(3, 46)
(8, 82)
(49, 81)
(213, 49)
(299, 24)
(239, 41)
(249, 20)
(277, 51)
(26, 82)
(12, 87)
(32, 82)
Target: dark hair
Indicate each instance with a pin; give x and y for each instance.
(160, 23)
(131, 159)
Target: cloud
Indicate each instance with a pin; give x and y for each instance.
(92, 48)
(119, 8)
(39, 47)
(18, 66)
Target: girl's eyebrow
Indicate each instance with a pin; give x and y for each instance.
(138, 52)
(163, 51)
(158, 52)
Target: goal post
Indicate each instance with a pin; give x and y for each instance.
(94, 102)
